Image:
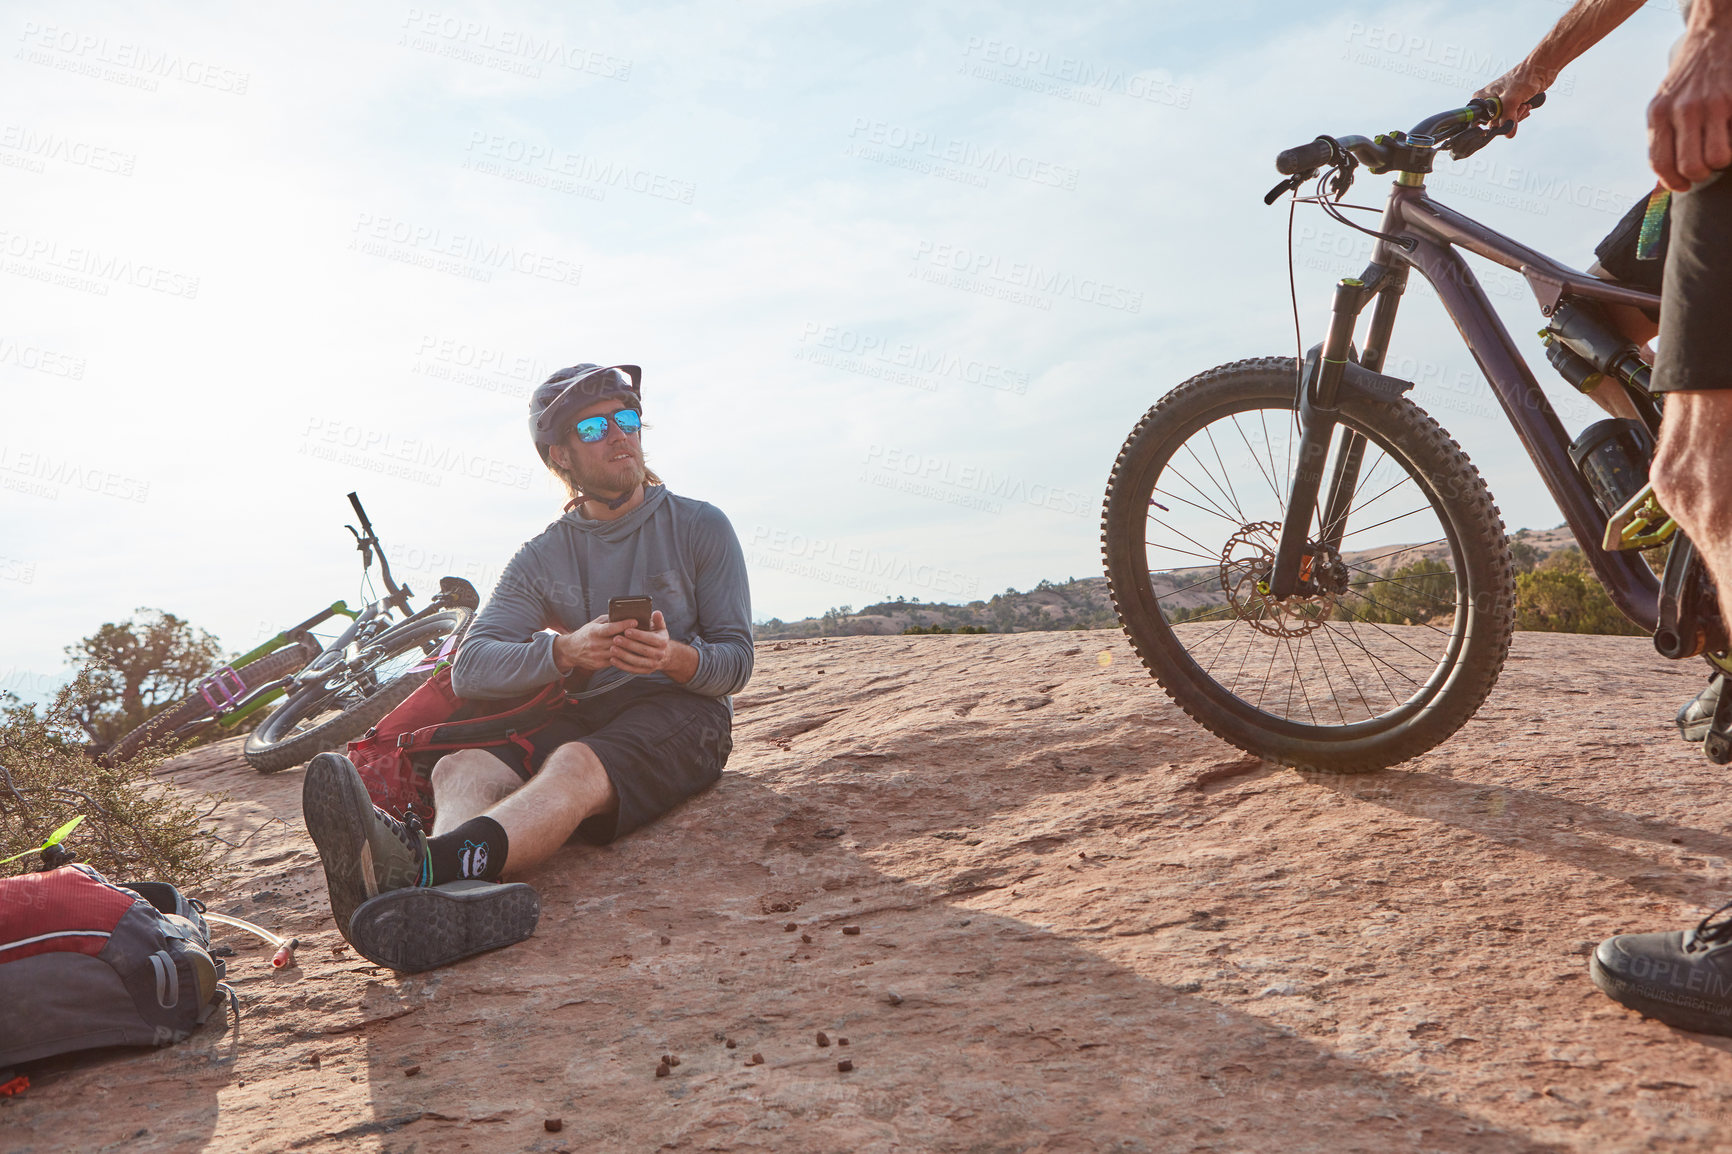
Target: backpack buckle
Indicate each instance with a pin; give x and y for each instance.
(404, 740)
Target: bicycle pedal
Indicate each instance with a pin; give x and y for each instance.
(1639, 523)
(1717, 745)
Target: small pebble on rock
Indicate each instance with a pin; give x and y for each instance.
(757, 1060)
(790, 927)
(411, 1071)
(851, 931)
(823, 1038)
(666, 940)
(841, 1041)
(664, 1070)
(731, 1043)
(845, 1065)
(553, 1125)
(807, 938)
(893, 998)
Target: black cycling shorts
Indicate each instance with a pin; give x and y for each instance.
(1694, 349)
(658, 743)
(1617, 253)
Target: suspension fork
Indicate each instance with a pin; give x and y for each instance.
(1317, 418)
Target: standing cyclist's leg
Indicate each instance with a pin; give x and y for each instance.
(1684, 978)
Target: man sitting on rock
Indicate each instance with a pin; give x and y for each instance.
(651, 726)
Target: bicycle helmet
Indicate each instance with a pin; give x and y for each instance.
(571, 389)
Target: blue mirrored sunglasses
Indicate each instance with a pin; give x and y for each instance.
(592, 429)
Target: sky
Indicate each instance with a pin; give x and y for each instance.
(901, 277)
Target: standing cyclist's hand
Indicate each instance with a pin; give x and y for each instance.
(1513, 90)
(589, 648)
(1690, 118)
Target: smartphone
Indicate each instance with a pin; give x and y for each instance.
(630, 609)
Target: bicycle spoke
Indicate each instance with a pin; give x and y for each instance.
(1389, 521)
(1226, 499)
(1197, 489)
(1255, 461)
(1226, 474)
(1194, 505)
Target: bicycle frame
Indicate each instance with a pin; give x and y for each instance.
(1427, 235)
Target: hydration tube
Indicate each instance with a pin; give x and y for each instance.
(285, 954)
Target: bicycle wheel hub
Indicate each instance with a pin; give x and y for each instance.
(1247, 560)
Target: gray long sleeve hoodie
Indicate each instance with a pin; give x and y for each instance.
(682, 553)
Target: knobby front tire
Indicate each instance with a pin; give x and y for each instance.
(1384, 663)
(326, 715)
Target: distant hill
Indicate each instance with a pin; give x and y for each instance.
(1083, 603)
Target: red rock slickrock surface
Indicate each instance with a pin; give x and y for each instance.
(1085, 925)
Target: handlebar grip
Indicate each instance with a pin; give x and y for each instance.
(1306, 157)
(366, 526)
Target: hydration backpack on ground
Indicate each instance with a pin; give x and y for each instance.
(86, 963)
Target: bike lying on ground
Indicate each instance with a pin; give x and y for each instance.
(1308, 563)
(329, 693)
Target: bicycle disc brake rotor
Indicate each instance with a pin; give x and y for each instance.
(1246, 562)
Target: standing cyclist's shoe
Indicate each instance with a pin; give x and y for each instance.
(417, 929)
(1683, 978)
(365, 851)
(1695, 717)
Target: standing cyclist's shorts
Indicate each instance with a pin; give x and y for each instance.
(1695, 337)
(658, 743)
(1621, 254)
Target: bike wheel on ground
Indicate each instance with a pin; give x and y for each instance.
(1409, 620)
(191, 713)
(328, 713)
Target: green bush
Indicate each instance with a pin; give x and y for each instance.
(136, 828)
(1562, 595)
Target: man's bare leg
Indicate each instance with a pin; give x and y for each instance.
(1692, 477)
(1636, 327)
(537, 816)
(466, 784)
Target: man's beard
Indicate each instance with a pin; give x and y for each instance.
(614, 478)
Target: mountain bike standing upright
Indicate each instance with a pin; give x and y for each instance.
(1307, 562)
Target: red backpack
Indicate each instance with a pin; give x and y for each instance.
(395, 756)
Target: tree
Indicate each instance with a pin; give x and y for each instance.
(137, 667)
(1562, 595)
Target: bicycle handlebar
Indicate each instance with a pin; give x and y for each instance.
(1386, 152)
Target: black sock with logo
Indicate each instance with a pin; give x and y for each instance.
(475, 849)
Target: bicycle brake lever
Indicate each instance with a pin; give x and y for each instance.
(1288, 185)
(1471, 140)
(1343, 178)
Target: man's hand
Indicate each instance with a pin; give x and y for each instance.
(589, 648)
(1576, 31)
(652, 651)
(1690, 118)
(1514, 89)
